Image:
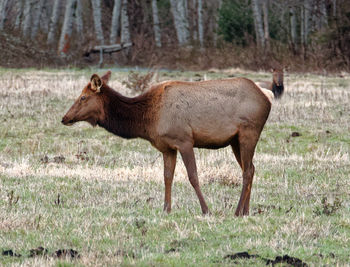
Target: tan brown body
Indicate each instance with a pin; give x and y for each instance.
(178, 116)
(208, 114)
(265, 85)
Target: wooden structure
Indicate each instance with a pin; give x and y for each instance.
(107, 49)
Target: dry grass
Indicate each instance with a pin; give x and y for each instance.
(110, 190)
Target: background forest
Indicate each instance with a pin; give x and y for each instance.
(196, 34)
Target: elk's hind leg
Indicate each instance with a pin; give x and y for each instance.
(247, 142)
(189, 160)
(169, 159)
(236, 150)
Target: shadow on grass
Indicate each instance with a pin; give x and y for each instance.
(279, 259)
(43, 252)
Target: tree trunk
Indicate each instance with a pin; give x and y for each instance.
(200, 22)
(302, 29)
(334, 2)
(45, 17)
(216, 25)
(302, 19)
(258, 24)
(53, 22)
(293, 29)
(3, 6)
(193, 20)
(96, 9)
(156, 27)
(79, 20)
(125, 30)
(115, 21)
(266, 24)
(27, 17)
(38, 7)
(307, 12)
(323, 11)
(66, 32)
(19, 10)
(178, 9)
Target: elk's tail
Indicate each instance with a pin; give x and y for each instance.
(277, 90)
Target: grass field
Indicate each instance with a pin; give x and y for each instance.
(84, 189)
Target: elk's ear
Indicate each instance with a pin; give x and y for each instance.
(105, 78)
(96, 83)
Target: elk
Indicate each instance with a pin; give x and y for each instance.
(276, 86)
(178, 116)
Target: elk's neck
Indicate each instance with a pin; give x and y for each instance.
(277, 89)
(126, 117)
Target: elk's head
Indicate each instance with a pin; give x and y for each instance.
(277, 75)
(89, 105)
(277, 82)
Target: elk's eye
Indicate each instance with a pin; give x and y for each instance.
(83, 98)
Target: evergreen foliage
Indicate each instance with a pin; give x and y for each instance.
(236, 22)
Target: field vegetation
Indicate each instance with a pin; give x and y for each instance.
(81, 196)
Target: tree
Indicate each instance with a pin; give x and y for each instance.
(125, 30)
(79, 20)
(19, 13)
(200, 22)
(322, 18)
(53, 22)
(156, 27)
(307, 12)
(66, 32)
(334, 10)
(215, 22)
(96, 10)
(258, 24)
(37, 9)
(266, 24)
(115, 21)
(293, 28)
(179, 12)
(27, 17)
(305, 24)
(45, 17)
(3, 6)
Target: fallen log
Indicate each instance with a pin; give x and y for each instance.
(106, 49)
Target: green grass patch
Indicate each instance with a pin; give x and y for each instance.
(84, 189)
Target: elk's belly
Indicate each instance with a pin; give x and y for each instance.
(213, 138)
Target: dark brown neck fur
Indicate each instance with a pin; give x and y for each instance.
(277, 89)
(125, 117)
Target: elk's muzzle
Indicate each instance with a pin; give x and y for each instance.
(66, 121)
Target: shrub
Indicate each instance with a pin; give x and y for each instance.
(137, 82)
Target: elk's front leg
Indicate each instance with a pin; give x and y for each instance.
(169, 159)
